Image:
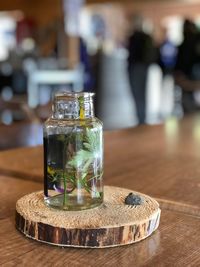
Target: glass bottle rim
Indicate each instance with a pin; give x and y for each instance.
(72, 95)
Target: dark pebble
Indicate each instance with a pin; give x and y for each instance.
(132, 199)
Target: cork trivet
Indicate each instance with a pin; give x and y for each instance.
(112, 224)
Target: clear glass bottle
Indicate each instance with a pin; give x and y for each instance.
(73, 154)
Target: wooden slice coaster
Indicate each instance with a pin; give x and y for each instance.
(112, 224)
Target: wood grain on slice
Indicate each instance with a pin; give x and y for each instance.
(111, 224)
(166, 247)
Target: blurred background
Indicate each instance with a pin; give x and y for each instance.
(140, 57)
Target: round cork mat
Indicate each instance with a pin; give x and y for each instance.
(112, 224)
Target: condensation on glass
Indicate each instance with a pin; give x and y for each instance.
(73, 154)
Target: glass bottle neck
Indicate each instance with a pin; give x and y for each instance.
(77, 106)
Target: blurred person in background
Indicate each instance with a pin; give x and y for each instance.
(187, 70)
(141, 55)
(85, 61)
(167, 53)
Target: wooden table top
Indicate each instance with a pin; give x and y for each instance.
(162, 161)
(175, 243)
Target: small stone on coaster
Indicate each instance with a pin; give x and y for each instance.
(132, 199)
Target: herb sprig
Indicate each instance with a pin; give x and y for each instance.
(77, 169)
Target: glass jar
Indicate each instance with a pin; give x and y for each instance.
(73, 154)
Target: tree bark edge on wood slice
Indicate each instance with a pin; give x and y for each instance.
(112, 224)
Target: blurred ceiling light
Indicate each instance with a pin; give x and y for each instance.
(45, 94)
(14, 14)
(108, 47)
(85, 23)
(148, 26)
(6, 69)
(7, 35)
(174, 26)
(72, 11)
(3, 52)
(17, 15)
(153, 94)
(28, 44)
(6, 117)
(6, 93)
(197, 21)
